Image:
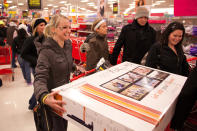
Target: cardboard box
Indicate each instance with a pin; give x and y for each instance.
(126, 97)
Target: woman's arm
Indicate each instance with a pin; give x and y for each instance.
(153, 57)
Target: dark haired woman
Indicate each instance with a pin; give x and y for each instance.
(168, 55)
(17, 46)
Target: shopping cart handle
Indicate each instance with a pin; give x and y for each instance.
(83, 74)
(191, 59)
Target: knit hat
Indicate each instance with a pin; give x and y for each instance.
(141, 12)
(38, 21)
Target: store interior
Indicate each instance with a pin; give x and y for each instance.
(14, 95)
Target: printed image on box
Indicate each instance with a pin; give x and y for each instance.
(142, 70)
(130, 77)
(136, 92)
(149, 83)
(115, 85)
(158, 75)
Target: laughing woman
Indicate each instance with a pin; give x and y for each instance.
(168, 55)
(53, 69)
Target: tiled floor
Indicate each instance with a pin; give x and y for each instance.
(14, 113)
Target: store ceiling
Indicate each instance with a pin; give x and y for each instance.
(124, 4)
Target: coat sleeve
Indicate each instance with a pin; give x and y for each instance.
(185, 66)
(186, 100)
(26, 52)
(152, 58)
(14, 45)
(41, 76)
(117, 47)
(92, 56)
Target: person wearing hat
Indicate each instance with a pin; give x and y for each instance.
(96, 44)
(29, 49)
(136, 38)
(3, 31)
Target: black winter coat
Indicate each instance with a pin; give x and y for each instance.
(186, 100)
(18, 44)
(136, 40)
(29, 51)
(164, 58)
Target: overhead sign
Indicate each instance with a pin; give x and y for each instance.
(115, 8)
(25, 14)
(189, 8)
(34, 4)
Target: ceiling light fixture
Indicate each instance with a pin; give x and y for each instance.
(20, 3)
(9, 2)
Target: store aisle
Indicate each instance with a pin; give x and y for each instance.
(14, 113)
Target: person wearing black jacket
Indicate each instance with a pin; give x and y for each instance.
(136, 38)
(186, 100)
(3, 31)
(168, 54)
(29, 50)
(17, 46)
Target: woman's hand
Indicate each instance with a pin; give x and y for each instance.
(57, 105)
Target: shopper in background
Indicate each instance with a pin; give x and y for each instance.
(10, 36)
(3, 31)
(53, 68)
(96, 46)
(186, 100)
(168, 54)
(17, 46)
(136, 38)
(29, 50)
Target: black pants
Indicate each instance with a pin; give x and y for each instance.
(47, 120)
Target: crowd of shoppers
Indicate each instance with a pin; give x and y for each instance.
(49, 55)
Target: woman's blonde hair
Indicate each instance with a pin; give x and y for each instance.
(34, 30)
(95, 23)
(54, 22)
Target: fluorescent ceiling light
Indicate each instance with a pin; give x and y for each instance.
(84, 1)
(91, 3)
(161, 1)
(112, 0)
(62, 2)
(9, 2)
(20, 3)
(49, 5)
(46, 8)
(55, 6)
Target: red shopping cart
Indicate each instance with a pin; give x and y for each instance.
(6, 73)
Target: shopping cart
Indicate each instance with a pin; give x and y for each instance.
(6, 72)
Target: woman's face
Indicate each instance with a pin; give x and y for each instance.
(63, 30)
(102, 29)
(40, 28)
(175, 37)
(142, 21)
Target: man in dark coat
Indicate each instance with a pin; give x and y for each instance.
(136, 38)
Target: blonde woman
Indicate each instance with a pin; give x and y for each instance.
(53, 69)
